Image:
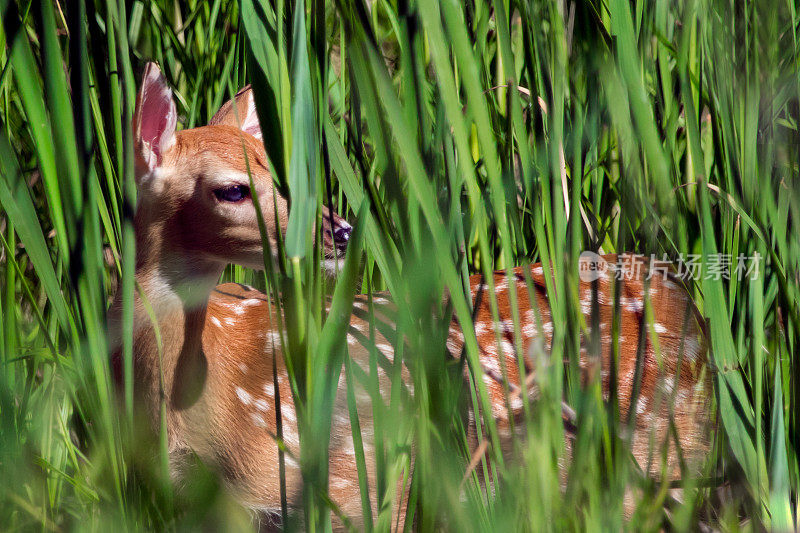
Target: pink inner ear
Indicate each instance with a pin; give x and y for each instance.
(250, 122)
(157, 116)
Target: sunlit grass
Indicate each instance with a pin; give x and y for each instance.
(463, 138)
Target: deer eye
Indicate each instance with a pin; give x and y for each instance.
(233, 193)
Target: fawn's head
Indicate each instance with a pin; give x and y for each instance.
(195, 209)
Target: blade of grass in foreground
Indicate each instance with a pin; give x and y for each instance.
(18, 205)
(709, 88)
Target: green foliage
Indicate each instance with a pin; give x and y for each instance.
(463, 138)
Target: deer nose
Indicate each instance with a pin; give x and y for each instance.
(341, 235)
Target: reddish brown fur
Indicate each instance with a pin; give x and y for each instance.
(238, 435)
(227, 115)
(678, 371)
(219, 344)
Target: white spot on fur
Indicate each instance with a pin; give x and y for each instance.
(659, 328)
(627, 379)
(641, 405)
(360, 326)
(330, 266)
(290, 435)
(670, 285)
(261, 404)
(491, 364)
(499, 410)
(341, 418)
(602, 296)
(340, 483)
(269, 389)
(244, 396)
(453, 345)
(632, 305)
(682, 397)
(229, 321)
(691, 349)
(243, 368)
(258, 420)
(489, 349)
(669, 384)
(216, 322)
(529, 330)
(385, 349)
(287, 413)
(507, 347)
(480, 287)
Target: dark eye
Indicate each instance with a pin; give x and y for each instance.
(233, 193)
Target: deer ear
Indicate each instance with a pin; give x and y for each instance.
(155, 118)
(240, 113)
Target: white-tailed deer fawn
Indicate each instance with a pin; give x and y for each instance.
(220, 344)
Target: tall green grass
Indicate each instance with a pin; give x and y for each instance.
(462, 137)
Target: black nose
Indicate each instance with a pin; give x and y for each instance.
(342, 235)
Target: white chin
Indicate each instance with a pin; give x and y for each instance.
(333, 266)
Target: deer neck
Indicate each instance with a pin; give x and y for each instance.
(171, 297)
(171, 278)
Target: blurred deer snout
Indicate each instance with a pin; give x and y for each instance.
(341, 236)
(336, 233)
